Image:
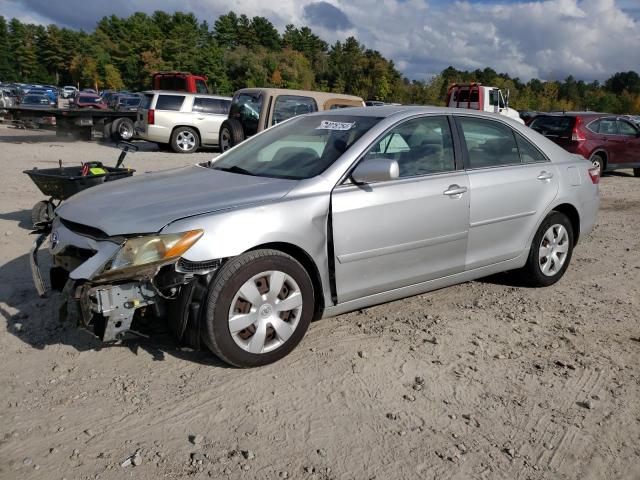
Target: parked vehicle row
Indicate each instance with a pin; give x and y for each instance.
(318, 215)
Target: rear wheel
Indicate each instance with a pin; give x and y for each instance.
(258, 308)
(185, 140)
(122, 129)
(550, 251)
(598, 161)
(231, 134)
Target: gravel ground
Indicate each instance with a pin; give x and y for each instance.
(484, 380)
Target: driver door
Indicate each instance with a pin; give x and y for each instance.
(396, 233)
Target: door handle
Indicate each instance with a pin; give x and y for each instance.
(200, 118)
(545, 176)
(454, 190)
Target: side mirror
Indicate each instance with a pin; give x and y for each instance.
(376, 170)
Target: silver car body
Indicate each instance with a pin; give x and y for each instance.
(205, 123)
(367, 244)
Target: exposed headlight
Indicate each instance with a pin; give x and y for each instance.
(150, 251)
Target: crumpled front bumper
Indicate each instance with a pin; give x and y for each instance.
(107, 309)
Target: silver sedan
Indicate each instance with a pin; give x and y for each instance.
(323, 214)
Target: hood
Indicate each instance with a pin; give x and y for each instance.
(146, 203)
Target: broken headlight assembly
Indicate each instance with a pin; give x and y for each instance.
(141, 255)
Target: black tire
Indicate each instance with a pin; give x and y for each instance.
(598, 160)
(122, 129)
(531, 274)
(636, 172)
(40, 213)
(185, 140)
(231, 134)
(222, 290)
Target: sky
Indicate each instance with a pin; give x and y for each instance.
(546, 39)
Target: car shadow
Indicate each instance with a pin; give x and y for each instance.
(506, 279)
(23, 217)
(35, 321)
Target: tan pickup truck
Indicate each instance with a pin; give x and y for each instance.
(255, 109)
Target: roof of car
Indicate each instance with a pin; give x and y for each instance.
(323, 96)
(175, 92)
(389, 110)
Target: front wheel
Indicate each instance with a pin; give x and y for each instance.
(550, 251)
(258, 308)
(41, 213)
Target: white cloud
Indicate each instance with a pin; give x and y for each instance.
(590, 39)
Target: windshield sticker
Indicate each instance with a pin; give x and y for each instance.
(329, 125)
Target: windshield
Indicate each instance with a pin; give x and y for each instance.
(246, 109)
(301, 148)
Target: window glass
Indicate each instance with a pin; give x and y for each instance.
(303, 148)
(201, 86)
(594, 126)
(146, 100)
(528, 153)
(490, 144)
(288, 106)
(608, 126)
(210, 105)
(553, 126)
(420, 146)
(246, 109)
(169, 102)
(626, 129)
(178, 84)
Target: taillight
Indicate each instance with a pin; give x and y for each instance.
(151, 116)
(594, 173)
(576, 134)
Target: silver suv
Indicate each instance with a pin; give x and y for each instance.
(185, 121)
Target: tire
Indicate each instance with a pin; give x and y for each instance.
(533, 273)
(231, 134)
(247, 348)
(122, 129)
(598, 161)
(40, 213)
(185, 140)
(636, 172)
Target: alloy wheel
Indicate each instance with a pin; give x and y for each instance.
(225, 140)
(186, 141)
(553, 250)
(125, 131)
(265, 312)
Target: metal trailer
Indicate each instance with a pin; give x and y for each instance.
(88, 124)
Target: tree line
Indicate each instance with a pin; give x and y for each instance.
(238, 51)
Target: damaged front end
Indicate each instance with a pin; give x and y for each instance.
(108, 282)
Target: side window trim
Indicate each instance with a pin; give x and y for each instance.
(465, 148)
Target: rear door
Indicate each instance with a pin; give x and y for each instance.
(209, 113)
(511, 184)
(631, 149)
(405, 231)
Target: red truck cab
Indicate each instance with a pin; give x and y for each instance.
(180, 82)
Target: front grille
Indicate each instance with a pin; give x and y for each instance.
(188, 266)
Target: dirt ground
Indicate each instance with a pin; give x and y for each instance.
(485, 380)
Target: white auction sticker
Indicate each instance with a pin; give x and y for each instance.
(329, 125)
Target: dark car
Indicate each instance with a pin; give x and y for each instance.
(128, 103)
(90, 100)
(610, 142)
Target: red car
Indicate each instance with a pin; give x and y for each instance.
(90, 100)
(610, 142)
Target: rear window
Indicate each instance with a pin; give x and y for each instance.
(179, 84)
(211, 105)
(169, 102)
(553, 126)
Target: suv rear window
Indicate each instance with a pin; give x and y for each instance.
(169, 102)
(211, 105)
(551, 126)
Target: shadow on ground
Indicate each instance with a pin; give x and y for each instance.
(35, 321)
